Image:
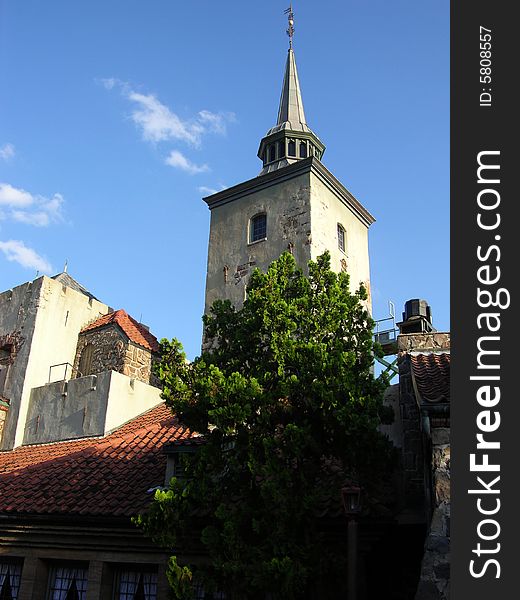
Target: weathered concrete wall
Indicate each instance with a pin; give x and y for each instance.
(434, 583)
(17, 321)
(327, 210)
(67, 410)
(231, 258)
(303, 209)
(87, 406)
(48, 316)
(128, 398)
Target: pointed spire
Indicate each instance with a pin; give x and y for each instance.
(291, 139)
(291, 113)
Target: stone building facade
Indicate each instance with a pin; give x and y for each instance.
(116, 342)
(295, 205)
(39, 325)
(424, 400)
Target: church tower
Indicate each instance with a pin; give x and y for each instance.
(295, 204)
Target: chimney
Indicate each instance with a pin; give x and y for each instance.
(417, 317)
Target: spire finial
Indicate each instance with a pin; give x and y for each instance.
(290, 29)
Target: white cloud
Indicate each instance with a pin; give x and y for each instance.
(24, 207)
(11, 196)
(109, 83)
(216, 122)
(208, 191)
(158, 123)
(6, 151)
(179, 161)
(17, 251)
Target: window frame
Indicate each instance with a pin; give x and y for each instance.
(10, 564)
(341, 233)
(72, 566)
(251, 230)
(138, 569)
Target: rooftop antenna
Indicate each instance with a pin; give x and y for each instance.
(290, 29)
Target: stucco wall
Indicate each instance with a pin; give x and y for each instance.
(87, 406)
(128, 398)
(17, 319)
(287, 206)
(49, 317)
(303, 210)
(327, 210)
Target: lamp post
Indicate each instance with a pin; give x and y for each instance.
(351, 496)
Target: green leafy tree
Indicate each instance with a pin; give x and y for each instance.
(289, 407)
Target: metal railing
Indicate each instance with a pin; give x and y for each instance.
(66, 372)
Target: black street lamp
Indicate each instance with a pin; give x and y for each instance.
(351, 496)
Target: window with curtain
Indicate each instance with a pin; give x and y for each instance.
(201, 594)
(135, 585)
(10, 573)
(68, 582)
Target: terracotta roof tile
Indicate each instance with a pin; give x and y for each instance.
(136, 332)
(431, 373)
(97, 476)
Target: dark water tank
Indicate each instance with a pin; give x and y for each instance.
(417, 317)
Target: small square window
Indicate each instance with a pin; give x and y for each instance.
(341, 237)
(10, 573)
(258, 228)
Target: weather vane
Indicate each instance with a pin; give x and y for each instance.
(290, 29)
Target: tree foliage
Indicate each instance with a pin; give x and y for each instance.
(289, 407)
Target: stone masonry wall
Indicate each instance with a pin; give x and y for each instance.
(112, 351)
(434, 582)
(109, 350)
(422, 342)
(138, 364)
(3, 415)
(412, 448)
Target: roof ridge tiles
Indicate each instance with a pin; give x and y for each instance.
(133, 329)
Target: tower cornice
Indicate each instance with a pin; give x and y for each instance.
(296, 169)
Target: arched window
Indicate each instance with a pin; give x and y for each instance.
(85, 361)
(258, 228)
(303, 150)
(341, 237)
(291, 148)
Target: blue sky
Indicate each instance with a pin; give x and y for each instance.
(117, 117)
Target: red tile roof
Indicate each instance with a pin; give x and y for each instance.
(136, 332)
(431, 373)
(106, 476)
